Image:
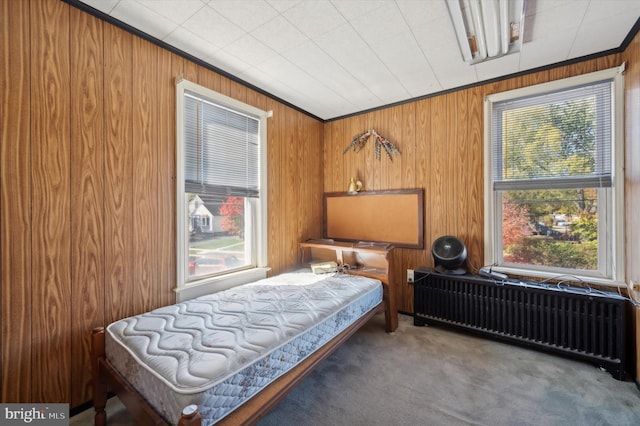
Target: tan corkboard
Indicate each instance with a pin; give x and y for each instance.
(394, 217)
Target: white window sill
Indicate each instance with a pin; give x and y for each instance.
(544, 275)
(223, 282)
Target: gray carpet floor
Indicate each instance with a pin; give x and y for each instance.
(434, 376)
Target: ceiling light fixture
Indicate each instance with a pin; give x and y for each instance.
(487, 29)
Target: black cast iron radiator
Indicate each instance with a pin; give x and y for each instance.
(581, 323)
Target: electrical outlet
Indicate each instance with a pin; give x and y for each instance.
(409, 275)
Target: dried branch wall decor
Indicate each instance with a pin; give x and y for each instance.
(358, 142)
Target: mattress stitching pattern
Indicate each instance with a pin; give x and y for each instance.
(240, 387)
(278, 354)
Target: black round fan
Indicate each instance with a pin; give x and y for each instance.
(449, 255)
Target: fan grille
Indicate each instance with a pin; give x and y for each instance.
(449, 251)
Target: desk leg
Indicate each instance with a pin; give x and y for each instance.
(390, 308)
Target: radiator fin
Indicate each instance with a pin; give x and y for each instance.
(569, 321)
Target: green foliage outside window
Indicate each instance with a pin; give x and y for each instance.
(546, 142)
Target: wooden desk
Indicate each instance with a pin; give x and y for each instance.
(368, 260)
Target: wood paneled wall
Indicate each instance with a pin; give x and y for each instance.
(631, 57)
(87, 197)
(87, 205)
(441, 140)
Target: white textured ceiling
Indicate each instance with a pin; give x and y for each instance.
(333, 58)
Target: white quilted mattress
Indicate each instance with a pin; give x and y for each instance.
(218, 350)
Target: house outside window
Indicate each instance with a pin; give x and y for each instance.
(554, 180)
(221, 191)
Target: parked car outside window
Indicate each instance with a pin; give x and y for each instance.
(211, 263)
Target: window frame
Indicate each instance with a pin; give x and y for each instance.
(611, 270)
(256, 208)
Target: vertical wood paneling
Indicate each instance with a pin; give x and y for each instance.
(573, 70)
(118, 174)
(224, 86)
(442, 140)
(310, 157)
(188, 69)
(145, 122)
(300, 152)
(380, 120)
(208, 79)
(351, 160)
(632, 177)
(50, 174)
(407, 144)
(292, 197)
(376, 167)
(15, 202)
(463, 176)
(277, 185)
(475, 182)
(287, 175)
(609, 61)
(327, 155)
(237, 91)
(439, 170)
(423, 176)
(335, 142)
(87, 195)
(257, 100)
(632, 162)
(532, 79)
(88, 148)
(166, 193)
(396, 131)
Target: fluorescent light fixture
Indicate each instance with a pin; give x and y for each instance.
(491, 25)
(476, 19)
(487, 29)
(461, 30)
(505, 27)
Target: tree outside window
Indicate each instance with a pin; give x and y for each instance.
(554, 181)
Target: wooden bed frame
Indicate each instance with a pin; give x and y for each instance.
(107, 378)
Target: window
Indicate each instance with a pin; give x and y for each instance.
(553, 183)
(221, 191)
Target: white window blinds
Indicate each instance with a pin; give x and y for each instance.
(560, 139)
(221, 149)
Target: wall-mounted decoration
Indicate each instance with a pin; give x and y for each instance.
(359, 141)
(355, 186)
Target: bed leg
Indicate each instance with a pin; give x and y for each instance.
(190, 416)
(99, 385)
(390, 308)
